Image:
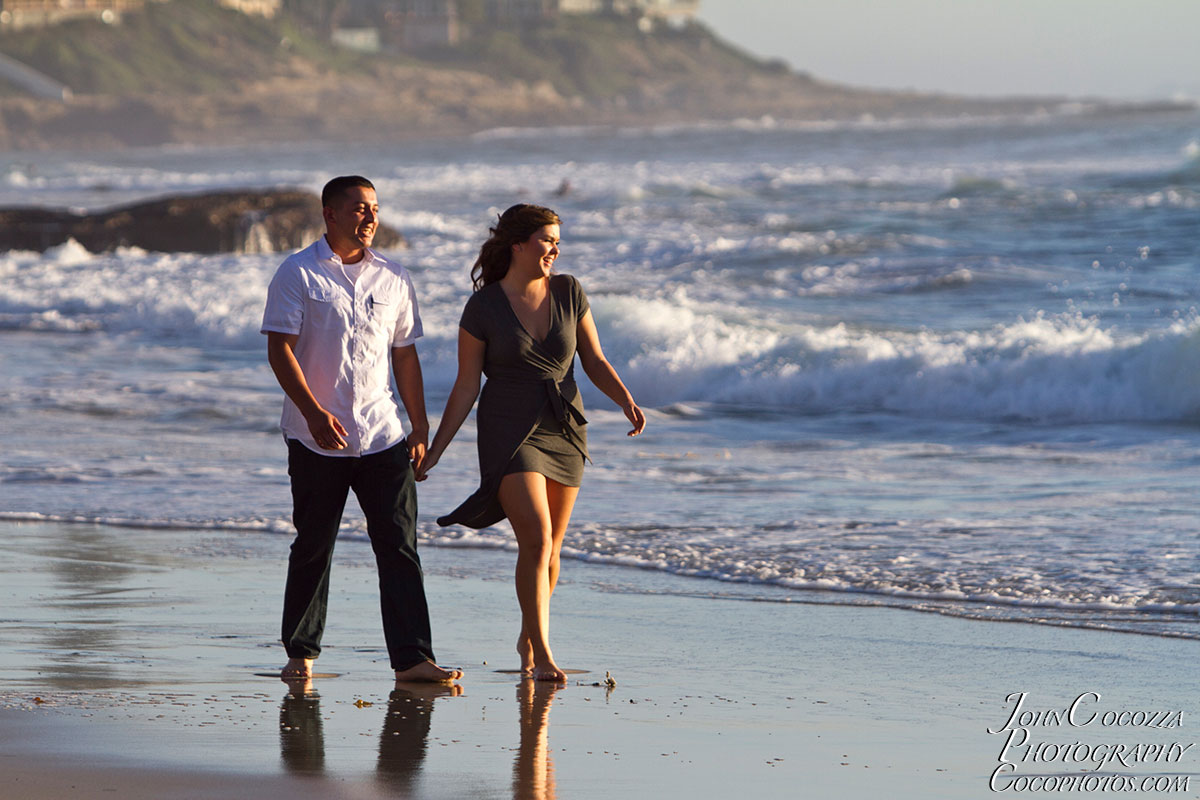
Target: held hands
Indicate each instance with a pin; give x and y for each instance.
(326, 430)
(418, 445)
(635, 416)
(427, 463)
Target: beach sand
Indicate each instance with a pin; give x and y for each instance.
(129, 661)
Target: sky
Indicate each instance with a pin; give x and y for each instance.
(1122, 49)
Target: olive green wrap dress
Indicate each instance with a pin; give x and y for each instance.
(530, 415)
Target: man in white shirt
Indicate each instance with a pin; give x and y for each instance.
(337, 314)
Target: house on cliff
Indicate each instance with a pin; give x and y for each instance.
(421, 24)
(254, 8)
(424, 24)
(673, 10)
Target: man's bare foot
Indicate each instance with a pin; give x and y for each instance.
(525, 651)
(296, 668)
(428, 672)
(426, 691)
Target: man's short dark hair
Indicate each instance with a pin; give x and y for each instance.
(337, 187)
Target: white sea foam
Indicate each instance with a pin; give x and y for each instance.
(673, 348)
(1064, 368)
(768, 124)
(202, 299)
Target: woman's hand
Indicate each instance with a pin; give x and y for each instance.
(635, 416)
(421, 470)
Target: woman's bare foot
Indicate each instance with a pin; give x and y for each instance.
(546, 670)
(525, 651)
(428, 672)
(296, 668)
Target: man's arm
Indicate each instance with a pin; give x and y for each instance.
(325, 428)
(407, 369)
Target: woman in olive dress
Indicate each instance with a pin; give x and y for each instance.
(522, 328)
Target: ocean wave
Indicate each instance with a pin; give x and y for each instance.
(45, 476)
(1189, 172)
(977, 186)
(1049, 368)
(104, 184)
(538, 133)
(767, 124)
(685, 345)
(258, 525)
(181, 297)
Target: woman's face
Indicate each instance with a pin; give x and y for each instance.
(537, 253)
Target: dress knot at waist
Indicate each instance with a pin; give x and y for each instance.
(564, 410)
(569, 417)
(554, 392)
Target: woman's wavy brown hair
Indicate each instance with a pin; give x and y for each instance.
(514, 226)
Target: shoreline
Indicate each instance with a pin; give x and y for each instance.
(142, 647)
(284, 115)
(699, 585)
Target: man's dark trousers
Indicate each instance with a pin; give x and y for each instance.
(384, 485)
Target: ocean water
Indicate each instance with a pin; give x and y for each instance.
(950, 365)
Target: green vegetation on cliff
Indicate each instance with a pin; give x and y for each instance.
(196, 46)
(177, 46)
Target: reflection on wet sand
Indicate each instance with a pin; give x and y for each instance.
(402, 743)
(404, 740)
(99, 579)
(405, 736)
(301, 740)
(533, 770)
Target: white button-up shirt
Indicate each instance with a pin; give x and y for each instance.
(347, 329)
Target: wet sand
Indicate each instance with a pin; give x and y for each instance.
(128, 663)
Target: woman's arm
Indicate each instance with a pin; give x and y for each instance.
(602, 373)
(461, 399)
(406, 366)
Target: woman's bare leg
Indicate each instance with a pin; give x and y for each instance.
(525, 500)
(561, 501)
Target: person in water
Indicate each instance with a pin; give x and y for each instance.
(522, 328)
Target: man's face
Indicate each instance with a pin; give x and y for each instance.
(351, 221)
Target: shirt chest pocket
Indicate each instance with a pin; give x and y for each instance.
(327, 308)
(382, 308)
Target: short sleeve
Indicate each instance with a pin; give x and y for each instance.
(284, 312)
(472, 317)
(408, 321)
(579, 299)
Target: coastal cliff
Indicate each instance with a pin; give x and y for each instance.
(190, 71)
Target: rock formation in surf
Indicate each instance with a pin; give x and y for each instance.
(238, 221)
